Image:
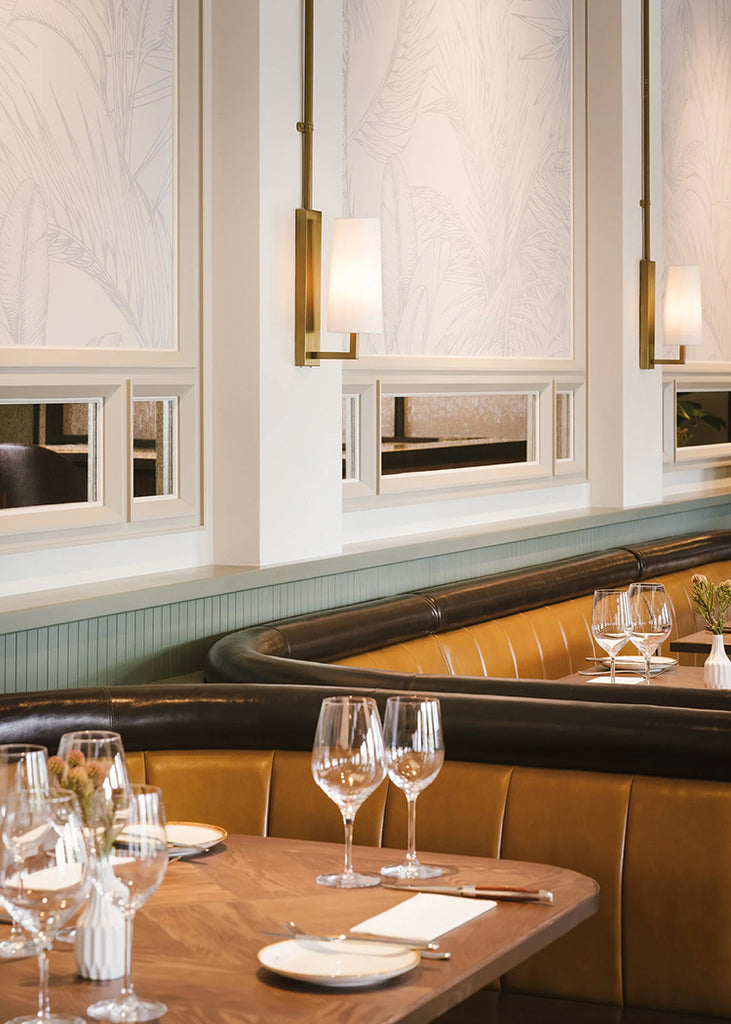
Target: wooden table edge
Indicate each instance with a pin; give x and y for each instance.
(554, 930)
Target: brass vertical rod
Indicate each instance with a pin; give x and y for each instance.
(645, 202)
(308, 127)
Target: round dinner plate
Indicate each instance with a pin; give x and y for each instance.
(634, 661)
(338, 964)
(200, 837)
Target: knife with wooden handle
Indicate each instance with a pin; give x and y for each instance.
(515, 894)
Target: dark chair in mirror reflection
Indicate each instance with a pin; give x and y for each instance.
(33, 475)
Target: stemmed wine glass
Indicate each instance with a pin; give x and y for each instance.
(348, 764)
(611, 623)
(100, 750)
(651, 619)
(412, 738)
(43, 875)
(22, 766)
(129, 839)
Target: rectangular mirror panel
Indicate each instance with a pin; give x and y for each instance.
(564, 426)
(702, 418)
(437, 432)
(154, 447)
(350, 437)
(48, 453)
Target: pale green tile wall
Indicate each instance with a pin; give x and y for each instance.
(171, 638)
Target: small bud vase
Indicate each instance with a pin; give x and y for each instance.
(99, 944)
(717, 666)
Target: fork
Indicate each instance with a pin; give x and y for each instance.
(429, 950)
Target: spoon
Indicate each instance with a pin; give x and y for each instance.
(428, 950)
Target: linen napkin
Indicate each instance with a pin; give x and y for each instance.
(424, 917)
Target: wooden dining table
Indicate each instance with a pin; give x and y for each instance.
(196, 940)
(698, 643)
(681, 676)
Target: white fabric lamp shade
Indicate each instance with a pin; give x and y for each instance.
(682, 317)
(355, 301)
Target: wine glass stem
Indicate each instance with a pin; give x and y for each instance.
(412, 834)
(128, 991)
(44, 1005)
(348, 821)
(647, 667)
(612, 658)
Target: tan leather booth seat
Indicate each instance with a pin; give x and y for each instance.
(514, 633)
(636, 797)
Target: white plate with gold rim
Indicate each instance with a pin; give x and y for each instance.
(191, 838)
(346, 964)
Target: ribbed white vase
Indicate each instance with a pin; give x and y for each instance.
(99, 940)
(717, 667)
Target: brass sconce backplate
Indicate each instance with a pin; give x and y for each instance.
(308, 244)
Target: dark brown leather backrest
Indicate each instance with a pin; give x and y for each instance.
(587, 735)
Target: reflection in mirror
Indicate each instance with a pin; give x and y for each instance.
(48, 453)
(153, 423)
(350, 437)
(702, 418)
(436, 432)
(564, 426)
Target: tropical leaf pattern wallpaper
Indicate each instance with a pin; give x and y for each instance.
(458, 120)
(696, 140)
(86, 173)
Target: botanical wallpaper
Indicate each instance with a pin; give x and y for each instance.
(86, 173)
(458, 136)
(696, 139)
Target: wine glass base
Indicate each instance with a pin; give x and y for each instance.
(126, 1011)
(408, 870)
(348, 881)
(17, 949)
(52, 1018)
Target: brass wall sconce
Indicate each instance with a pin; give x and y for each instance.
(355, 304)
(682, 319)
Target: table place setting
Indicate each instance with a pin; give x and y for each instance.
(351, 755)
(627, 667)
(192, 838)
(379, 948)
(640, 615)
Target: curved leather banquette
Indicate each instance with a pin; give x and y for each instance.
(514, 634)
(637, 797)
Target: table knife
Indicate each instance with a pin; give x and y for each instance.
(485, 892)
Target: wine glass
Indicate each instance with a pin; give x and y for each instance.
(101, 747)
(412, 738)
(348, 764)
(128, 835)
(103, 752)
(43, 875)
(651, 619)
(611, 623)
(22, 766)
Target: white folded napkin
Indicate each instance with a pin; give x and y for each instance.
(424, 917)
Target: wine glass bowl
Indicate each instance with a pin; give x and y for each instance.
(43, 875)
(22, 766)
(348, 765)
(100, 748)
(611, 623)
(414, 748)
(652, 619)
(130, 844)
